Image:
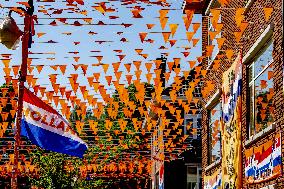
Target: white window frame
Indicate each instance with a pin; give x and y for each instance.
(252, 83)
(209, 105)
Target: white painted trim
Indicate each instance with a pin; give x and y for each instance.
(209, 6)
(213, 99)
(261, 134)
(213, 165)
(258, 44)
(272, 186)
(183, 5)
(248, 5)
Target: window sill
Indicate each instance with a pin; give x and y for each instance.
(248, 5)
(212, 165)
(260, 135)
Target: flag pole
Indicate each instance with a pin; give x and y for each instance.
(22, 79)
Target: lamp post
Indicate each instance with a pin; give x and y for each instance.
(22, 79)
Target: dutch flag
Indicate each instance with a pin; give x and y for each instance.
(46, 128)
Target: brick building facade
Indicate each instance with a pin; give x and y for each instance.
(260, 45)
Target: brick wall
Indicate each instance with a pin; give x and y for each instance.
(257, 24)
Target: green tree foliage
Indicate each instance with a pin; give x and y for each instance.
(61, 171)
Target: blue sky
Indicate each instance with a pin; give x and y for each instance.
(109, 33)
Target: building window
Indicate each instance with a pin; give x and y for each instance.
(215, 133)
(261, 90)
(194, 174)
(192, 125)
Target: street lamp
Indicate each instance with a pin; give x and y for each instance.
(10, 35)
(9, 32)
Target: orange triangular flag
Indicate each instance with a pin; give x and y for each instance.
(108, 78)
(166, 36)
(15, 70)
(220, 42)
(40, 34)
(62, 68)
(137, 64)
(142, 36)
(76, 58)
(115, 66)
(6, 62)
(149, 77)
(97, 76)
(148, 66)
(229, 53)
(99, 58)
(189, 35)
(172, 42)
(118, 75)
(173, 28)
(128, 67)
(194, 42)
(128, 78)
(163, 22)
(267, 12)
(105, 67)
(163, 13)
(191, 64)
(150, 26)
(195, 27)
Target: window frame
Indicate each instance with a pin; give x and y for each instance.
(210, 161)
(251, 65)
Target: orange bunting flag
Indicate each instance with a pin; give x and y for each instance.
(170, 65)
(128, 67)
(209, 50)
(167, 76)
(40, 34)
(189, 35)
(142, 36)
(163, 13)
(194, 42)
(163, 22)
(173, 28)
(229, 54)
(108, 78)
(52, 78)
(137, 64)
(267, 12)
(105, 67)
(148, 66)
(148, 77)
(195, 27)
(115, 66)
(239, 17)
(138, 51)
(186, 22)
(158, 63)
(220, 42)
(128, 78)
(150, 26)
(172, 42)
(76, 59)
(121, 56)
(6, 62)
(99, 58)
(215, 16)
(166, 36)
(118, 75)
(15, 70)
